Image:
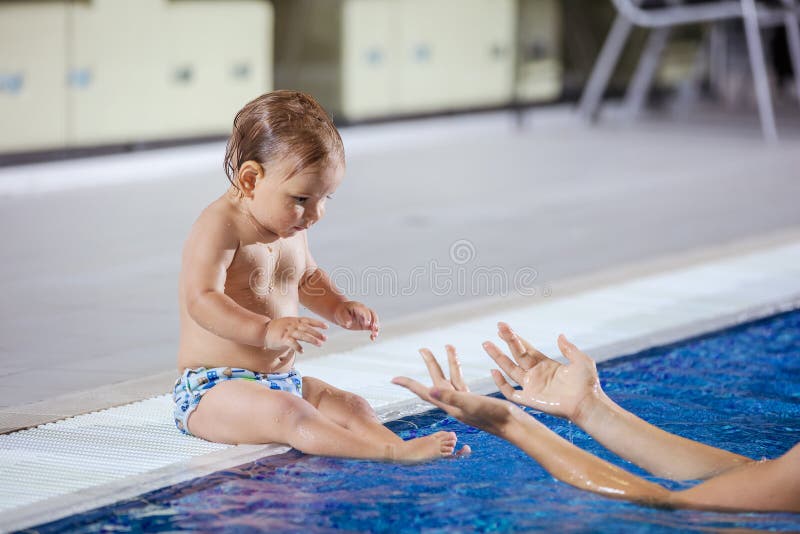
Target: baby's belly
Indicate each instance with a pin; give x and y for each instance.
(203, 349)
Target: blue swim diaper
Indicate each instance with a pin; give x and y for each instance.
(194, 383)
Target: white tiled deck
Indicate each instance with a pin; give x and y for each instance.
(99, 458)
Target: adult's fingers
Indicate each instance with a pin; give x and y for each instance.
(505, 388)
(512, 369)
(526, 354)
(571, 352)
(418, 389)
(515, 345)
(456, 377)
(456, 400)
(437, 375)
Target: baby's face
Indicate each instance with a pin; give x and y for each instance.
(285, 207)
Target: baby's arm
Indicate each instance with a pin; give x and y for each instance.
(321, 296)
(208, 253)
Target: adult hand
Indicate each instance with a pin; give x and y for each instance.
(547, 385)
(289, 331)
(354, 315)
(453, 396)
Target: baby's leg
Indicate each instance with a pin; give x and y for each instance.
(347, 409)
(354, 413)
(241, 411)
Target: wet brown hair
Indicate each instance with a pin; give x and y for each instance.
(278, 124)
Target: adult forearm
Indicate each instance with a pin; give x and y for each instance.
(661, 453)
(222, 316)
(579, 468)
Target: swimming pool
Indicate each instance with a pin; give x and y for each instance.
(738, 389)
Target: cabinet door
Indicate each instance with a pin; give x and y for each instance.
(116, 71)
(32, 83)
(457, 53)
(369, 62)
(540, 70)
(481, 71)
(218, 58)
(430, 40)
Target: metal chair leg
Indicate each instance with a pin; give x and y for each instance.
(603, 68)
(645, 71)
(759, 69)
(717, 57)
(793, 39)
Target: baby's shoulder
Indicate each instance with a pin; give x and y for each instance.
(218, 222)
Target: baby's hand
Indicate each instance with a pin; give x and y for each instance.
(356, 316)
(289, 331)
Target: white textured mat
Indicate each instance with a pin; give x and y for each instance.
(95, 459)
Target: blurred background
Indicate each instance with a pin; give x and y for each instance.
(562, 138)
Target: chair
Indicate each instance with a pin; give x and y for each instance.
(662, 18)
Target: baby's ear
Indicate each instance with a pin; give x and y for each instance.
(249, 173)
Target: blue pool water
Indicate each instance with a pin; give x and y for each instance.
(738, 389)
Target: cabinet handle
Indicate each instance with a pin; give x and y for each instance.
(535, 51)
(79, 78)
(12, 83)
(374, 56)
(498, 51)
(241, 71)
(422, 53)
(183, 74)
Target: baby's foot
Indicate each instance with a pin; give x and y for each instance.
(431, 447)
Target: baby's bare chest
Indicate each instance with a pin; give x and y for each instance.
(260, 271)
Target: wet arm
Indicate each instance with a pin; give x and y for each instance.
(318, 294)
(577, 467)
(317, 291)
(206, 257)
(768, 485)
(659, 452)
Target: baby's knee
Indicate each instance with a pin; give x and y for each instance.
(359, 406)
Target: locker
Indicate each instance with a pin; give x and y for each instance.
(398, 57)
(32, 76)
(116, 71)
(219, 57)
(370, 58)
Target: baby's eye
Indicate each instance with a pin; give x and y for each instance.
(300, 200)
(329, 196)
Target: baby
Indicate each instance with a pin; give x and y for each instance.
(246, 268)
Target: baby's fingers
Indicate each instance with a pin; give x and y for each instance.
(314, 333)
(309, 336)
(293, 343)
(374, 325)
(313, 322)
